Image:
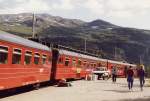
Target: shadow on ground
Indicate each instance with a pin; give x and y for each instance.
(137, 99)
(21, 90)
(118, 91)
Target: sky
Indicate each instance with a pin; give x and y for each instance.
(127, 13)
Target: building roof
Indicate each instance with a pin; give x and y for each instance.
(22, 41)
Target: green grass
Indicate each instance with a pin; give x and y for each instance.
(17, 29)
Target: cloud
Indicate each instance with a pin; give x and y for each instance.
(8, 4)
(95, 7)
(63, 5)
(116, 11)
(128, 8)
(19, 6)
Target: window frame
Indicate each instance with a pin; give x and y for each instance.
(79, 64)
(16, 53)
(99, 64)
(37, 56)
(44, 56)
(26, 54)
(5, 51)
(84, 63)
(67, 59)
(74, 62)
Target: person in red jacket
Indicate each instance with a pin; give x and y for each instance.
(130, 76)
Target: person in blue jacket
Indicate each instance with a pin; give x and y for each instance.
(141, 74)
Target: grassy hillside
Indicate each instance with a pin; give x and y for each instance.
(103, 38)
(17, 29)
(129, 44)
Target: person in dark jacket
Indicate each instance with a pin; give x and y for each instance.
(114, 74)
(130, 76)
(141, 74)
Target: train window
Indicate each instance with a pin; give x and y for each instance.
(94, 65)
(99, 64)
(91, 64)
(28, 56)
(44, 59)
(3, 55)
(67, 62)
(79, 62)
(84, 63)
(74, 62)
(36, 58)
(16, 58)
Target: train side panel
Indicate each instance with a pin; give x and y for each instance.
(71, 65)
(21, 65)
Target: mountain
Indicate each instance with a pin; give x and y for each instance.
(100, 24)
(22, 23)
(102, 38)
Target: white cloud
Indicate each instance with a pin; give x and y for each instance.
(35, 6)
(63, 5)
(122, 12)
(24, 6)
(95, 6)
(128, 8)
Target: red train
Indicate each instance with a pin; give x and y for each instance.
(24, 62)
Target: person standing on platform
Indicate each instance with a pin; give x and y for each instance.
(141, 74)
(130, 77)
(114, 74)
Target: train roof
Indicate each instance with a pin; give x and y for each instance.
(93, 58)
(22, 41)
(89, 57)
(70, 53)
(65, 52)
(121, 63)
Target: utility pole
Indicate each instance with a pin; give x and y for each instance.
(115, 53)
(85, 45)
(107, 64)
(98, 53)
(141, 60)
(33, 26)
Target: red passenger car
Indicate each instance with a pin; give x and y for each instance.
(120, 67)
(71, 65)
(22, 62)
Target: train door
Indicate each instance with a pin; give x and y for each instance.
(55, 55)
